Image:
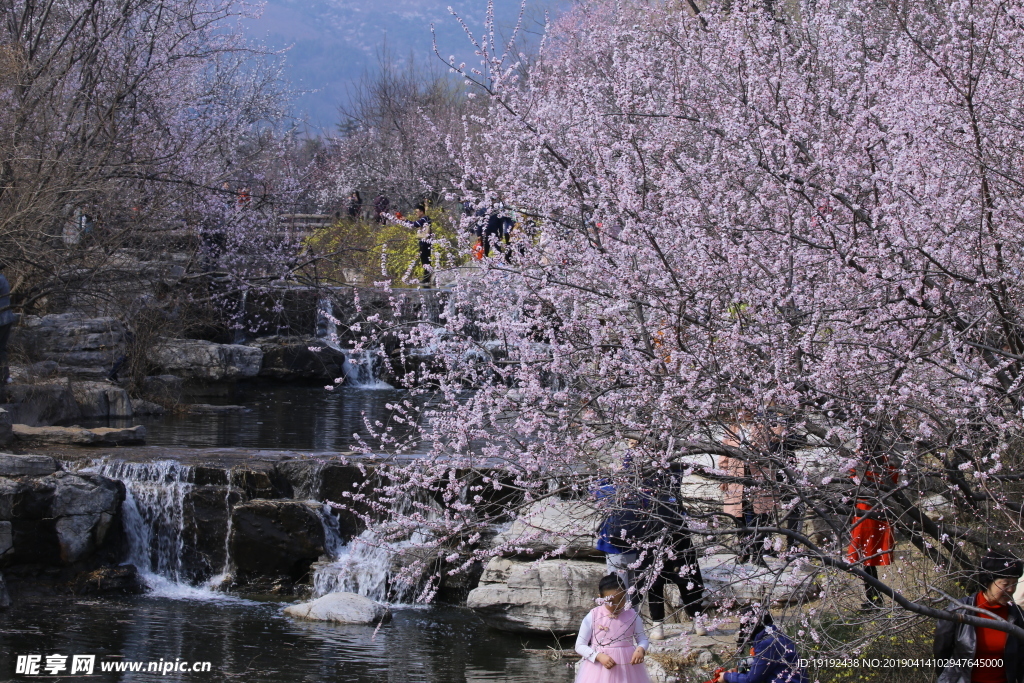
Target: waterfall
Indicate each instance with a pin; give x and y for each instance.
(362, 566)
(154, 522)
(365, 565)
(153, 511)
(326, 323)
(224, 577)
(361, 369)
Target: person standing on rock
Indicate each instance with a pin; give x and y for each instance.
(751, 507)
(611, 639)
(666, 528)
(871, 537)
(7, 320)
(619, 530)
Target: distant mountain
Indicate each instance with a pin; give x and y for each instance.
(331, 43)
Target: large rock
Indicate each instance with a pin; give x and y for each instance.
(98, 399)
(275, 539)
(82, 346)
(27, 465)
(77, 436)
(779, 582)
(551, 596)
(85, 506)
(206, 511)
(564, 528)
(292, 358)
(204, 360)
(42, 404)
(121, 580)
(58, 519)
(342, 608)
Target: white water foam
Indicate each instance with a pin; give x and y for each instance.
(365, 565)
(154, 520)
(361, 370)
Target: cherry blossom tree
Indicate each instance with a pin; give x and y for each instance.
(123, 124)
(788, 237)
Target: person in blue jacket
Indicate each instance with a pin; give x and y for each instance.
(774, 658)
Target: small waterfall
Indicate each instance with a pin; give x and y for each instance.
(224, 577)
(154, 508)
(326, 323)
(365, 565)
(362, 368)
(154, 523)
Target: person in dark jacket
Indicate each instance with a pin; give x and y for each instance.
(774, 657)
(355, 205)
(381, 205)
(424, 228)
(668, 518)
(7, 320)
(998, 581)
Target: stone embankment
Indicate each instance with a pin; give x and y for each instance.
(57, 526)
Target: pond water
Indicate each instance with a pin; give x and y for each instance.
(254, 642)
(251, 640)
(279, 416)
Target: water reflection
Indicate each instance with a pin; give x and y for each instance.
(279, 417)
(253, 641)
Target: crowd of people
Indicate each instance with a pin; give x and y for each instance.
(645, 536)
(492, 229)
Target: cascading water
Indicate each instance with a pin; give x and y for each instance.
(326, 324)
(153, 510)
(154, 523)
(361, 369)
(224, 577)
(365, 565)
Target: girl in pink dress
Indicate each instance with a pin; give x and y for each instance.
(611, 639)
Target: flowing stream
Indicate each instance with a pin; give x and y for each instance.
(252, 640)
(185, 615)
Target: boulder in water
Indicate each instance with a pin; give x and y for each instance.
(204, 360)
(298, 358)
(122, 580)
(342, 608)
(551, 596)
(275, 539)
(62, 518)
(77, 436)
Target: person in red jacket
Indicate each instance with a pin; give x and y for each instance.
(871, 539)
